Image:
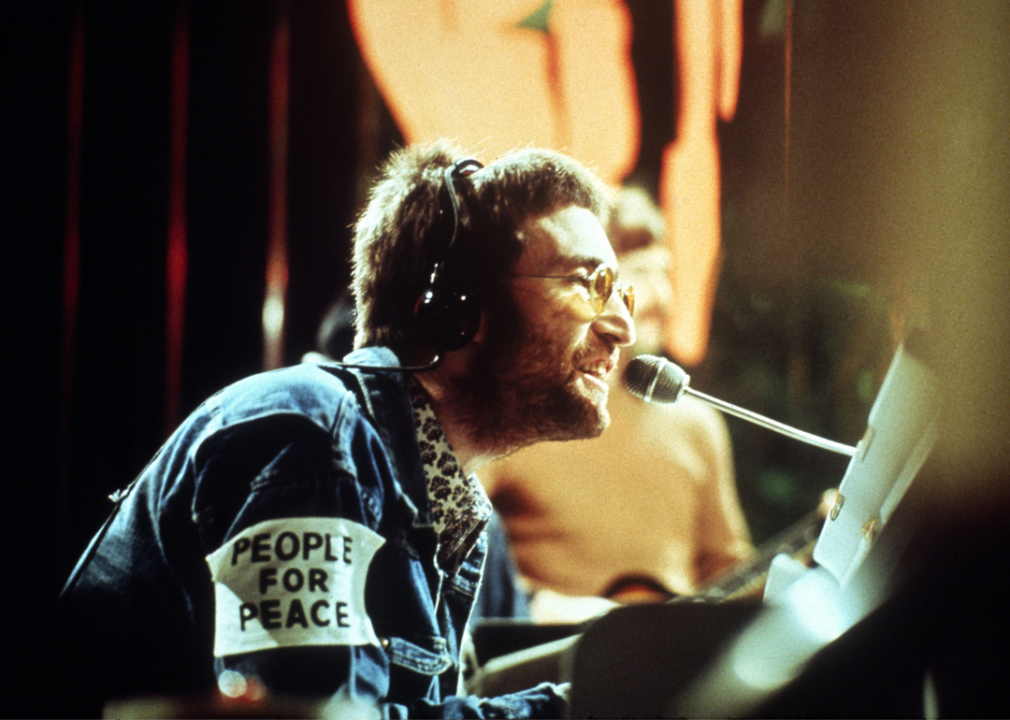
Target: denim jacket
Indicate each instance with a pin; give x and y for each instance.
(305, 444)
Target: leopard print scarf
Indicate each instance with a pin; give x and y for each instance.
(460, 507)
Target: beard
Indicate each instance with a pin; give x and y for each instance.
(527, 390)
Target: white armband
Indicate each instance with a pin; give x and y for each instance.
(294, 581)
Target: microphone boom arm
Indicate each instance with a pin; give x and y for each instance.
(773, 424)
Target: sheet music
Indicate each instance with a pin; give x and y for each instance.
(901, 431)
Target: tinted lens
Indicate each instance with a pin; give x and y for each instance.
(627, 294)
(601, 286)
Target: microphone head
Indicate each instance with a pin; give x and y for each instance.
(655, 379)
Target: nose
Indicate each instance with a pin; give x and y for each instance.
(615, 322)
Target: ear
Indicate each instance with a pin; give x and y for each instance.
(481, 329)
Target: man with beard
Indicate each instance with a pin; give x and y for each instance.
(318, 531)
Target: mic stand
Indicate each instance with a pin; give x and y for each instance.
(774, 425)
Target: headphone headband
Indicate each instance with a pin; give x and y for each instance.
(464, 167)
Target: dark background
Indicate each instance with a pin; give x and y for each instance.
(889, 210)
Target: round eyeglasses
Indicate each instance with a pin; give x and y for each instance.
(600, 284)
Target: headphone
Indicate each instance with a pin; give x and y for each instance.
(447, 315)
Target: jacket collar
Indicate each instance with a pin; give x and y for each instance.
(385, 397)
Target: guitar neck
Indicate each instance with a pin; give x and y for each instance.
(747, 578)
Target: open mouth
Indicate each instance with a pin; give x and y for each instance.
(596, 372)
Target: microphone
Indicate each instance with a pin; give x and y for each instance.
(654, 379)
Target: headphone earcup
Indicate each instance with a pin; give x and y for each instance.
(446, 319)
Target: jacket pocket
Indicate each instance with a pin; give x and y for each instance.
(424, 654)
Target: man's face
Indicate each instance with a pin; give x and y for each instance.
(551, 383)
